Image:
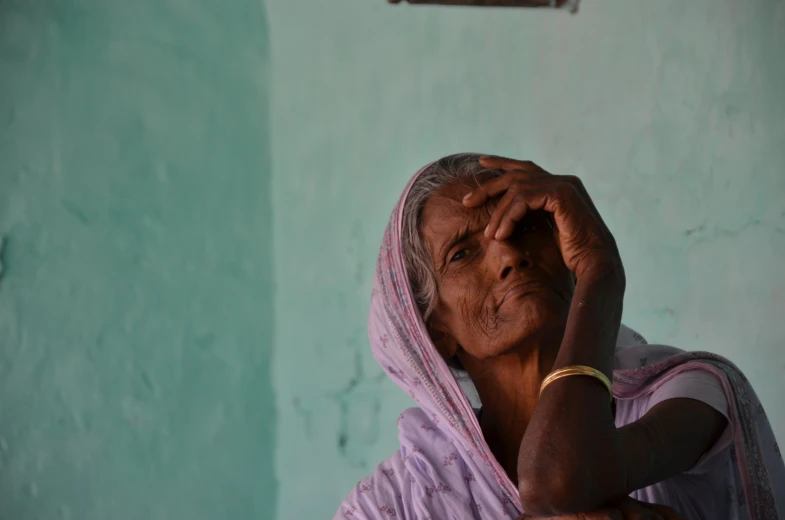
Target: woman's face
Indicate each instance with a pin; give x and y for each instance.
(493, 296)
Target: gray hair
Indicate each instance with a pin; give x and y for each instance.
(417, 255)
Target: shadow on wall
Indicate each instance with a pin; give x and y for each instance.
(136, 293)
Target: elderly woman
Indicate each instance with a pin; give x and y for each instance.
(497, 305)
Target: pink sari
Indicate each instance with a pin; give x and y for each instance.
(444, 469)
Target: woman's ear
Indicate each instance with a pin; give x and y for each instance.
(440, 335)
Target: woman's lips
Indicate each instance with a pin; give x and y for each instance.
(523, 288)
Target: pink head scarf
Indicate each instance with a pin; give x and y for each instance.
(445, 470)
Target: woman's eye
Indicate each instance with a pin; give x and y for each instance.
(460, 255)
(526, 228)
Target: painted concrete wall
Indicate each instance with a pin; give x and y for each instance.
(136, 298)
(136, 304)
(672, 111)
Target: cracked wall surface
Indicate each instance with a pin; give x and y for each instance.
(136, 291)
(672, 112)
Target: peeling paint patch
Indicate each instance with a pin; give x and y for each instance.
(360, 403)
(77, 212)
(306, 414)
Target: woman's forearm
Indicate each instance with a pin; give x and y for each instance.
(594, 321)
(571, 459)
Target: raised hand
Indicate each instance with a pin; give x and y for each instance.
(585, 241)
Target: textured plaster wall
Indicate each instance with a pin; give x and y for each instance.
(136, 293)
(136, 300)
(673, 112)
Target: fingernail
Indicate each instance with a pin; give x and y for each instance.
(467, 196)
(498, 234)
(487, 228)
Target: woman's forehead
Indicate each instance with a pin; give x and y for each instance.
(440, 207)
(462, 185)
(447, 201)
(444, 214)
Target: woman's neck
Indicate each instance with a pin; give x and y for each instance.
(509, 387)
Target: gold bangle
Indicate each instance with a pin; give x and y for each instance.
(577, 370)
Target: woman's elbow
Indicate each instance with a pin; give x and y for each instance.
(569, 481)
(555, 493)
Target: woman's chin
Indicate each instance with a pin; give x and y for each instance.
(534, 314)
(542, 306)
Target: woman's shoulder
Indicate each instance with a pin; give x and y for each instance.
(694, 381)
(415, 425)
(660, 379)
(634, 356)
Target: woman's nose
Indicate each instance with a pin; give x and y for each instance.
(509, 259)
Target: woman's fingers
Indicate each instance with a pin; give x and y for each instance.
(666, 512)
(634, 510)
(515, 190)
(515, 171)
(554, 199)
(527, 168)
(513, 198)
(507, 221)
(628, 509)
(496, 187)
(493, 162)
(606, 513)
(585, 242)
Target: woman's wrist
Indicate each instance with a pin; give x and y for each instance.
(608, 272)
(594, 319)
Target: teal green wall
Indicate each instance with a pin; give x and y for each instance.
(136, 298)
(672, 111)
(148, 200)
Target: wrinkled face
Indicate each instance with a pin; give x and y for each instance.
(493, 296)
